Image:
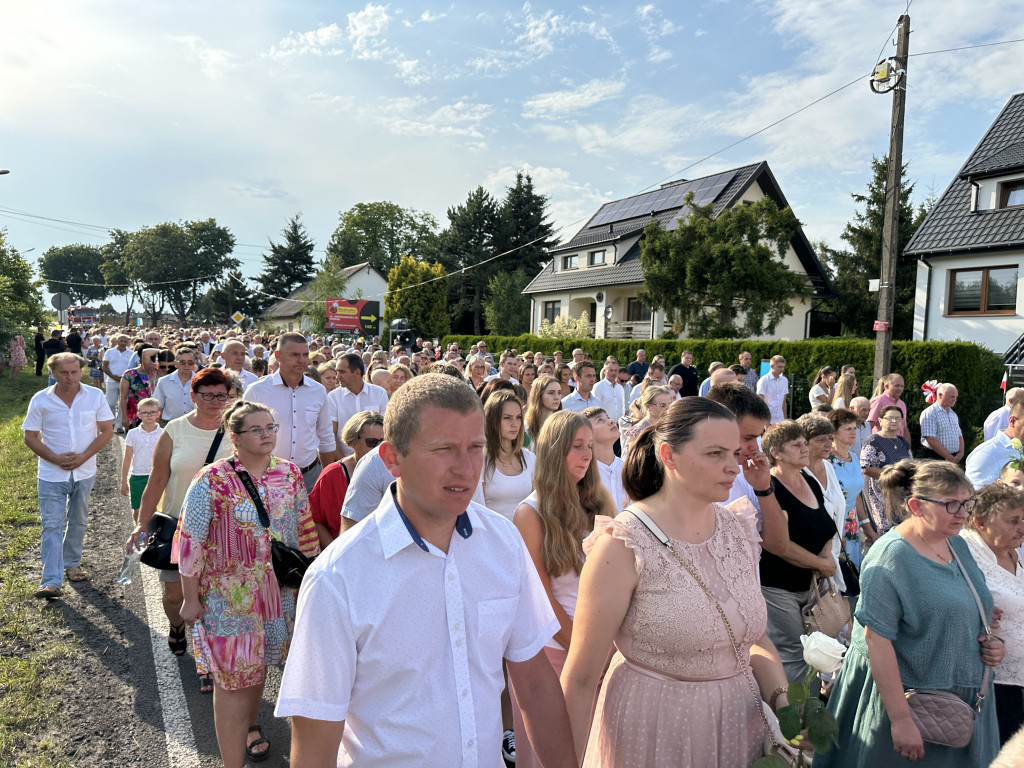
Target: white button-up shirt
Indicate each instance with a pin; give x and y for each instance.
(174, 397)
(302, 414)
(574, 402)
(118, 362)
(774, 391)
(344, 405)
(986, 461)
(66, 430)
(612, 398)
(248, 377)
(404, 642)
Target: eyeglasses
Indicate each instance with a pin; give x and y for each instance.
(271, 429)
(185, 362)
(892, 418)
(372, 442)
(954, 507)
(208, 396)
(149, 413)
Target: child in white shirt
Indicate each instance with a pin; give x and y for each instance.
(138, 453)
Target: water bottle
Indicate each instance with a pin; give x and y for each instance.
(130, 566)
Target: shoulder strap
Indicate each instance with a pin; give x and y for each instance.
(250, 487)
(649, 524)
(214, 445)
(984, 622)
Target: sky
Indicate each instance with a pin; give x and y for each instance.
(126, 114)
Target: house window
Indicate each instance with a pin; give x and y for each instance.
(1011, 194)
(593, 312)
(552, 309)
(595, 258)
(637, 312)
(570, 262)
(991, 291)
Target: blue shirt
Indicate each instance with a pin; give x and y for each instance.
(575, 402)
(987, 460)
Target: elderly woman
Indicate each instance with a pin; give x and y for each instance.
(653, 403)
(882, 449)
(328, 375)
(786, 581)
(477, 370)
(993, 533)
(242, 617)
(819, 433)
(914, 581)
(846, 465)
(400, 374)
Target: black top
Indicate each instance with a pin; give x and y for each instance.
(39, 342)
(636, 368)
(810, 527)
(74, 342)
(52, 346)
(691, 381)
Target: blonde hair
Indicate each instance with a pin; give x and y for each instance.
(350, 432)
(536, 413)
(148, 402)
(566, 509)
(844, 389)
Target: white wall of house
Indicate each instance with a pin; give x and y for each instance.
(932, 319)
(368, 285)
(988, 190)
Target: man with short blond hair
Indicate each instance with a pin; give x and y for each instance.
(773, 388)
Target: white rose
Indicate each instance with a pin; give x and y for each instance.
(822, 652)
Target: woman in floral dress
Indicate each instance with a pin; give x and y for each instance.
(138, 383)
(18, 358)
(242, 618)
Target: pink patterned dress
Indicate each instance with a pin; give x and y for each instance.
(248, 618)
(18, 359)
(673, 694)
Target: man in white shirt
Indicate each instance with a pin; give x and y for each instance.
(506, 368)
(403, 623)
(352, 395)
(999, 419)
(773, 388)
(233, 354)
(66, 426)
(581, 398)
(985, 463)
(609, 393)
(609, 466)
(116, 361)
(305, 435)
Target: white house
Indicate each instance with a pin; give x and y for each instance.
(362, 282)
(970, 248)
(598, 271)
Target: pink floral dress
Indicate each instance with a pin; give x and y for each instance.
(18, 358)
(248, 618)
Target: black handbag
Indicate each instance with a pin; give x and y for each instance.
(157, 553)
(851, 575)
(290, 564)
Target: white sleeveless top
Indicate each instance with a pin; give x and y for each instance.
(564, 588)
(503, 493)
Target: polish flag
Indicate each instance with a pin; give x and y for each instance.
(1002, 384)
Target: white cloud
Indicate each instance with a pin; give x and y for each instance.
(213, 62)
(575, 100)
(658, 54)
(654, 27)
(418, 116)
(365, 31)
(324, 40)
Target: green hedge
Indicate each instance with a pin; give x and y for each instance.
(974, 370)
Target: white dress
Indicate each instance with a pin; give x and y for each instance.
(503, 493)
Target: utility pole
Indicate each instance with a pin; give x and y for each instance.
(891, 227)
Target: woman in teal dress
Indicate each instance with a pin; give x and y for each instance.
(917, 626)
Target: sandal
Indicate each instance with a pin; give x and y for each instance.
(176, 640)
(206, 683)
(257, 757)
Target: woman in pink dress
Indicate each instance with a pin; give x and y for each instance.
(674, 693)
(18, 358)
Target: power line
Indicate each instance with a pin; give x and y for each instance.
(966, 47)
(125, 285)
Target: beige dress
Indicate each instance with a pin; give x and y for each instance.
(674, 694)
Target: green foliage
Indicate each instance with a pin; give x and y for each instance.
(426, 305)
(380, 233)
(506, 308)
(855, 305)
(974, 370)
(723, 276)
(77, 263)
(228, 296)
(328, 284)
(288, 265)
(469, 242)
(522, 224)
(565, 328)
(21, 305)
(114, 267)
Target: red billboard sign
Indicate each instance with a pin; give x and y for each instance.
(354, 316)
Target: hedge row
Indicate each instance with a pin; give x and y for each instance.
(974, 370)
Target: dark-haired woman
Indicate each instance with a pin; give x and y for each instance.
(676, 692)
(883, 449)
(242, 618)
(553, 520)
(822, 389)
(507, 475)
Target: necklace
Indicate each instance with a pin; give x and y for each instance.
(940, 556)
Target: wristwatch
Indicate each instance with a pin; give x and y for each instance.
(767, 492)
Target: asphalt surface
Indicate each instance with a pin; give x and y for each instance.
(128, 701)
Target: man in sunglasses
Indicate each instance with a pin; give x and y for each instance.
(306, 436)
(174, 391)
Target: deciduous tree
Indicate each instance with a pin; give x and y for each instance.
(74, 270)
(418, 291)
(114, 267)
(21, 305)
(723, 276)
(380, 233)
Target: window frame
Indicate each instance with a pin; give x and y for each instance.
(572, 261)
(546, 306)
(637, 316)
(1005, 188)
(604, 258)
(983, 311)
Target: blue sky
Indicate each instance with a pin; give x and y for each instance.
(123, 114)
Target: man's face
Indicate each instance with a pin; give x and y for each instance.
(623, 376)
(641, 356)
(894, 388)
(558, 357)
(67, 374)
(745, 359)
(611, 372)
(122, 343)
(585, 379)
(863, 410)
(234, 355)
(687, 359)
(347, 377)
(606, 431)
(292, 359)
(947, 397)
(204, 337)
(577, 355)
(153, 339)
(751, 428)
(778, 368)
(440, 471)
(675, 383)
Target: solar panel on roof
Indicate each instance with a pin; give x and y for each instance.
(705, 191)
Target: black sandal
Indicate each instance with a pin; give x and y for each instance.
(206, 683)
(176, 640)
(258, 757)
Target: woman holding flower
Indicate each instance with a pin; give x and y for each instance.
(917, 625)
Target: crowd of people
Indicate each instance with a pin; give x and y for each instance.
(543, 560)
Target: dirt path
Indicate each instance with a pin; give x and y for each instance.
(115, 713)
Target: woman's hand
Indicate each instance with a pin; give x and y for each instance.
(133, 540)
(191, 611)
(992, 650)
(827, 568)
(906, 739)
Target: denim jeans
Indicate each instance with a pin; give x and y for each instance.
(63, 508)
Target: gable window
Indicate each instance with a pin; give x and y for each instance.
(989, 291)
(1011, 194)
(552, 309)
(637, 312)
(595, 258)
(570, 262)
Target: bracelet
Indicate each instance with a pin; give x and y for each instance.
(775, 697)
(770, 490)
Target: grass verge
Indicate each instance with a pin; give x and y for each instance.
(33, 640)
